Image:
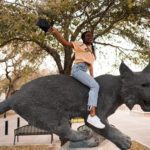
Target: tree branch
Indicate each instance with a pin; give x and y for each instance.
(91, 17)
(43, 45)
(12, 40)
(119, 18)
(53, 53)
(120, 48)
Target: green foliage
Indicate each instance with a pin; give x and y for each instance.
(128, 19)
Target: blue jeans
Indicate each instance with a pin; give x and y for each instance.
(79, 72)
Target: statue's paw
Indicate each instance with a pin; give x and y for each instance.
(92, 142)
(125, 143)
(83, 128)
(86, 134)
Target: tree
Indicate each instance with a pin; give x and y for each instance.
(126, 19)
(18, 66)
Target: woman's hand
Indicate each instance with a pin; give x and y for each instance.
(44, 24)
(52, 30)
(91, 70)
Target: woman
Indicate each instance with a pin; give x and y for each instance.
(84, 58)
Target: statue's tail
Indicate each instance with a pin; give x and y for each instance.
(5, 106)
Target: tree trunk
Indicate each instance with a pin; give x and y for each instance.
(67, 61)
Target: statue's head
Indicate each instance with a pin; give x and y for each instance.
(135, 87)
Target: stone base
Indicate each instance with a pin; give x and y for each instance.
(107, 145)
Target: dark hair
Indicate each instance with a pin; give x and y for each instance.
(83, 35)
(83, 39)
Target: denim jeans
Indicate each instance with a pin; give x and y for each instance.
(79, 72)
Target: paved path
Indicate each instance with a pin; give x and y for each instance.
(134, 125)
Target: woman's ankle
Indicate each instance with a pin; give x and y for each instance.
(93, 111)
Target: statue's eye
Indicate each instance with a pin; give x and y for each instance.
(145, 84)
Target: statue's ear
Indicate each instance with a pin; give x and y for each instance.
(147, 68)
(124, 70)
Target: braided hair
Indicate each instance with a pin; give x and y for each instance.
(83, 38)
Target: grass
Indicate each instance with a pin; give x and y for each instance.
(138, 146)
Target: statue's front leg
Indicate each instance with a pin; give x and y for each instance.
(117, 137)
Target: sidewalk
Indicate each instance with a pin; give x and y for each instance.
(134, 125)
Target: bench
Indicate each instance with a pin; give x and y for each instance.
(30, 130)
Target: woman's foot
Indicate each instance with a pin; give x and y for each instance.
(95, 121)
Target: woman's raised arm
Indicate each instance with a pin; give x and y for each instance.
(59, 37)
